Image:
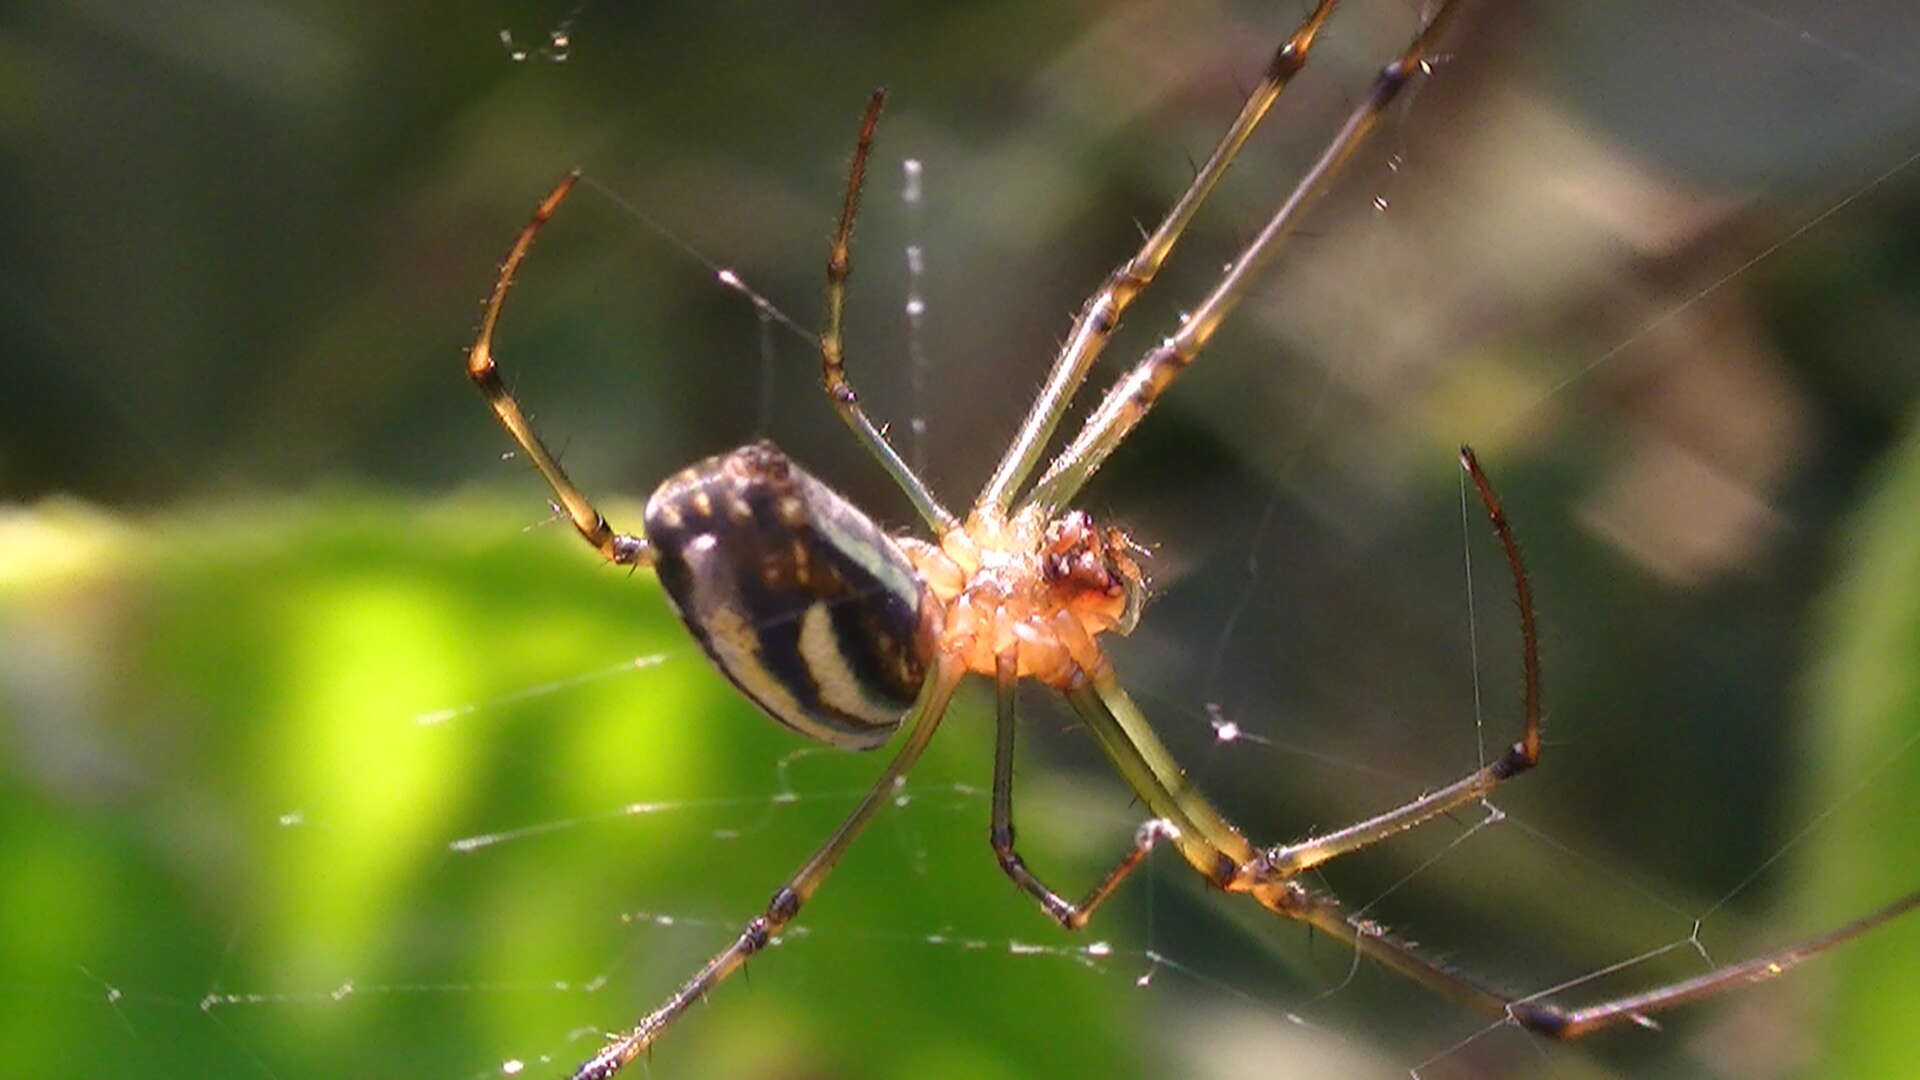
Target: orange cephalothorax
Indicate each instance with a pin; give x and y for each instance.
(1037, 591)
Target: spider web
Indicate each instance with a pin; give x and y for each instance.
(1685, 458)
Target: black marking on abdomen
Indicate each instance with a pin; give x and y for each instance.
(748, 545)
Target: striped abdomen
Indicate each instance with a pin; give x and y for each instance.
(798, 597)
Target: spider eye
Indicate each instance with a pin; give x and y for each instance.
(798, 597)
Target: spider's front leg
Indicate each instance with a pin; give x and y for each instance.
(833, 369)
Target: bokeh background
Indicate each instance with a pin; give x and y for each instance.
(1660, 263)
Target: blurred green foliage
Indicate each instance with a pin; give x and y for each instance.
(1867, 725)
(249, 805)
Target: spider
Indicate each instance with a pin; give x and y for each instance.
(843, 632)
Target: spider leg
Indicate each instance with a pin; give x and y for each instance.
(1529, 1012)
(1222, 854)
(1209, 842)
(615, 547)
(833, 372)
(1101, 315)
(1288, 860)
(1570, 1024)
(1137, 390)
(1225, 858)
(1068, 914)
(1277, 865)
(787, 899)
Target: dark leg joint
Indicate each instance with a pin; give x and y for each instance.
(1514, 762)
(754, 937)
(784, 905)
(627, 550)
(1287, 59)
(1225, 870)
(1539, 1019)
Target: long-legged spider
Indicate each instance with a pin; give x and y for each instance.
(841, 632)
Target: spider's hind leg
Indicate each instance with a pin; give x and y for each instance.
(1068, 914)
(620, 548)
(1286, 861)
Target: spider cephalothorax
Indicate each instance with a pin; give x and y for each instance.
(1038, 591)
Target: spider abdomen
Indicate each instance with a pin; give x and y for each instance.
(798, 597)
